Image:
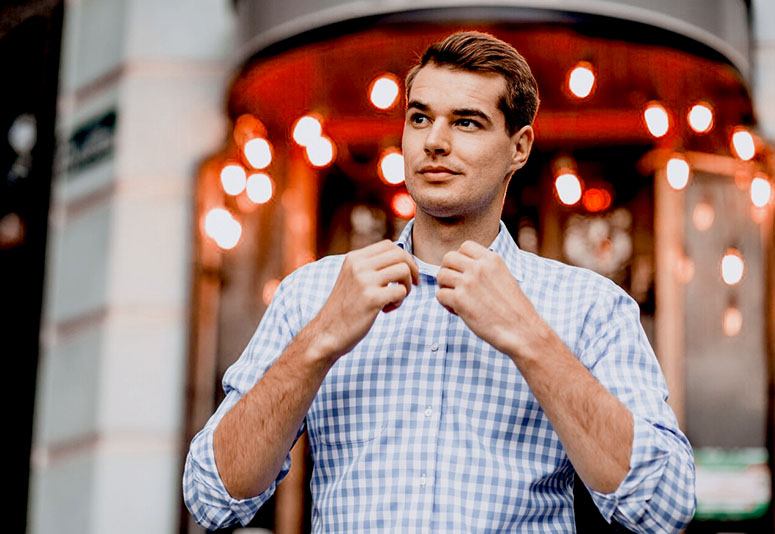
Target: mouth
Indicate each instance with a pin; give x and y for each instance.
(437, 173)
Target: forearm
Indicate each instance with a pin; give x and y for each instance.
(252, 440)
(595, 428)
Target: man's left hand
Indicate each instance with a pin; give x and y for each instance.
(476, 285)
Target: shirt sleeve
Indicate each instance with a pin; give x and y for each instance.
(658, 492)
(204, 492)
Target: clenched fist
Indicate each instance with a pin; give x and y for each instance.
(372, 279)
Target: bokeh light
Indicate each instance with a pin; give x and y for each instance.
(568, 187)
(233, 179)
(581, 80)
(258, 152)
(259, 188)
(732, 266)
(384, 91)
(657, 119)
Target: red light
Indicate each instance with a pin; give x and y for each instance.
(247, 127)
(403, 205)
(596, 199)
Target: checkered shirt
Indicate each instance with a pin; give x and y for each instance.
(424, 427)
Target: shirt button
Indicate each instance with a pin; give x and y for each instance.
(435, 347)
(422, 480)
(428, 411)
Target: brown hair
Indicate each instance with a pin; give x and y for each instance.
(481, 52)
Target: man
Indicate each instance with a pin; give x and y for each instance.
(452, 383)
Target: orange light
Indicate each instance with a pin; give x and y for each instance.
(568, 187)
(657, 119)
(259, 188)
(743, 144)
(307, 129)
(233, 179)
(247, 127)
(391, 166)
(383, 91)
(732, 322)
(581, 80)
(761, 191)
(258, 152)
(403, 205)
(320, 152)
(596, 199)
(703, 215)
(222, 228)
(700, 117)
(732, 266)
(677, 172)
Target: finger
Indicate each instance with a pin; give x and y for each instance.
(374, 248)
(392, 296)
(391, 256)
(448, 277)
(472, 249)
(398, 273)
(457, 261)
(445, 296)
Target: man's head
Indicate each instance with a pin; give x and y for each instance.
(481, 52)
(470, 105)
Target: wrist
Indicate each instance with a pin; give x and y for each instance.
(319, 344)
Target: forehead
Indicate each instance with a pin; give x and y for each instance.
(442, 87)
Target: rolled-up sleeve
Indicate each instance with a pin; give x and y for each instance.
(658, 492)
(204, 492)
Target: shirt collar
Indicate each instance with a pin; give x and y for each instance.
(503, 245)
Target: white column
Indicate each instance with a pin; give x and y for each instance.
(110, 399)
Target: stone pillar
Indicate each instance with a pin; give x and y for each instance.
(141, 98)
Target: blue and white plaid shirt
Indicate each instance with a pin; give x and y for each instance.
(424, 427)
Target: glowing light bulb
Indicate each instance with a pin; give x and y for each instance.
(761, 191)
(684, 269)
(259, 188)
(233, 179)
(743, 144)
(677, 172)
(222, 228)
(391, 167)
(384, 91)
(657, 119)
(306, 130)
(320, 152)
(732, 321)
(258, 152)
(596, 199)
(568, 187)
(581, 80)
(700, 117)
(403, 205)
(703, 215)
(732, 266)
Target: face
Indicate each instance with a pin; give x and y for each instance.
(458, 155)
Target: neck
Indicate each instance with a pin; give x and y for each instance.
(432, 237)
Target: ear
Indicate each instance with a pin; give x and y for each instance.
(521, 144)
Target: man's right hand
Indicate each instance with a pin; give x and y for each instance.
(374, 278)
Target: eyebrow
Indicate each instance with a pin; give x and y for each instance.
(461, 112)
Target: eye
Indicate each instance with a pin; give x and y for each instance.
(417, 118)
(468, 123)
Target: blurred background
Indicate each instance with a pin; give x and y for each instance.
(163, 165)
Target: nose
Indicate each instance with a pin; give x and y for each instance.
(437, 141)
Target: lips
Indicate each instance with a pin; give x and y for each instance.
(437, 169)
(437, 173)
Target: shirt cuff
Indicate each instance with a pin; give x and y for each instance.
(244, 509)
(647, 463)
